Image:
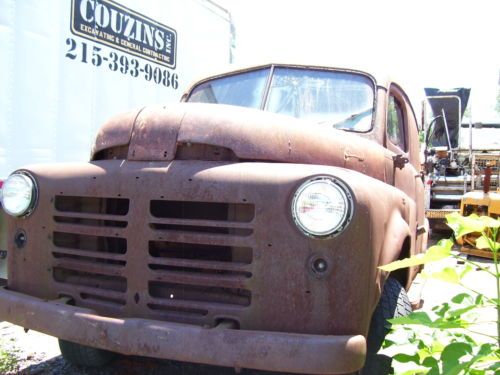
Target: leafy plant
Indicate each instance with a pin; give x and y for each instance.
(9, 362)
(448, 339)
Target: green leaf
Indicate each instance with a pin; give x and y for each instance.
(490, 222)
(486, 354)
(495, 366)
(463, 225)
(440, 310)
(451, 357)
(434, 253)
(466, 270)
(479, 300)
(422, 318)
(404, 358)
(433, 364)
(484, 243)
(454, 351)
(486, 349)
(459, 312)
(460, 298)
(437, 346)
(417, 317)
(448, 274)
(467, 339)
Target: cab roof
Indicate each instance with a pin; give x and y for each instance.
(381, 79)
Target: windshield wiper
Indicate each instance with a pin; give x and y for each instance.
(344, 124)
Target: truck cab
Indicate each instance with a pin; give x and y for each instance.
(242, 227)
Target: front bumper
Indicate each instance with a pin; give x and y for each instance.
(274, 351)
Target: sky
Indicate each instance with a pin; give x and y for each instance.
(423, 43)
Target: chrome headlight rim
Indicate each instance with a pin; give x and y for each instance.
(34, 194)
(346, 195)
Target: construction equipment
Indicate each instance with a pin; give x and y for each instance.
(456, 153)
(481, 203)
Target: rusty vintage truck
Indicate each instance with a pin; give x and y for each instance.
(242, 227)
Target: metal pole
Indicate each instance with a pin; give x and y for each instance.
(447, 132)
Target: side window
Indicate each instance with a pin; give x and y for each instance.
(395, 123)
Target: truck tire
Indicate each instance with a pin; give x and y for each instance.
(393, 303)
(81, 355)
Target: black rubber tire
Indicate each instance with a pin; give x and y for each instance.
(81, 355)
(393, 303)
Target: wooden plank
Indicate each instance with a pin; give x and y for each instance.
(477, 252)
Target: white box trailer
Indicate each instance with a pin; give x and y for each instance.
(68, 65)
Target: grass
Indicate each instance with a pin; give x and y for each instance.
(9, 361)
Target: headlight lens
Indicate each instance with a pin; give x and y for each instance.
(322, 206)
(19, 194)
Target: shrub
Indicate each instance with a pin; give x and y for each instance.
(447, 340)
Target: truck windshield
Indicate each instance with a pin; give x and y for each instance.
(339, 99)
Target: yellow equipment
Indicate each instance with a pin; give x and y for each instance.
(481, 203)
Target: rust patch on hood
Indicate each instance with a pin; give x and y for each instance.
(154, 133)
(117, 131)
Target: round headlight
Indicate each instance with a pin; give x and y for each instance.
(322, 207)
(19, 194)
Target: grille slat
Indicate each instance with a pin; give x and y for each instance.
(90, 243)
(185, 278)
(97, 268)
(96, 299)
(90, 216)
(201, 264)
(202, 238)
(103, 293)
(90, 230)
(80, 278)
(195, 293)
(90, 222)
(178, 314)
(93, 254)
(198, 305)
(201, 223)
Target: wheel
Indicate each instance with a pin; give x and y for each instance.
(81, 355)
(393, 303)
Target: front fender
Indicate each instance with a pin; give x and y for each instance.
(397, 231)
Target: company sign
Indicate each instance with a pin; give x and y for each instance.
(112, 24)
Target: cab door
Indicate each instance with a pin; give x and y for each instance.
(402, 143)
(398, 140)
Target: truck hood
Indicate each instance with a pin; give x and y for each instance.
(453, 103)
(157, 133)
